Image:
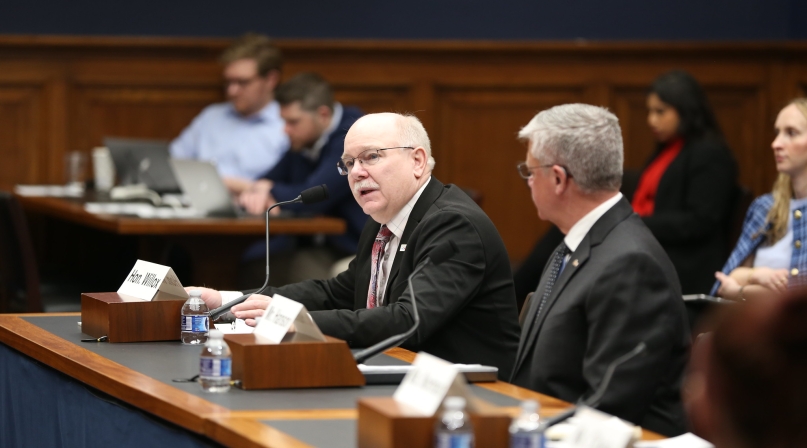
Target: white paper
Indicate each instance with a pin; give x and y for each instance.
(59, 191)
(150, 281)
(277, 319)
(687, 440)
(597, 429)
(238, 326)
(426, 385)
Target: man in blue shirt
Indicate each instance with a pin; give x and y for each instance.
(244, 137)
(316, 126)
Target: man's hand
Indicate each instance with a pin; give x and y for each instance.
(251, 308)
(211, 297)
(256, 199)
(236, 185)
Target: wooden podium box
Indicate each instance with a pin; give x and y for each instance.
(385, 423)
(294, 363)
(124, 319)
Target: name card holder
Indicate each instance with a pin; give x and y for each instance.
(127, 319)
(298, 361)
(386, 423)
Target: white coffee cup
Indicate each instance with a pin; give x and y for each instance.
(103, 169)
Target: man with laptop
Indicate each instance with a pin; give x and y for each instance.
(316, 126)
(243, 137)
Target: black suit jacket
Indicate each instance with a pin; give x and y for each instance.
(618, 289)
(693, 206)
(467, 306)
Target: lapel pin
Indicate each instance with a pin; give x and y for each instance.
(575, 262)
(403, 248)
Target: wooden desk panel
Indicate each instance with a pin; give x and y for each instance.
(232, 428)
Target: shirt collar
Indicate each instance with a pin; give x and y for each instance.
(581, 227)
(269, 113)
(314, 151)
(398, 223)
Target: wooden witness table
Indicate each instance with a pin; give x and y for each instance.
(215, 245)
(243, 428)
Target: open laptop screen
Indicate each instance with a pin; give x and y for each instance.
(143, 161)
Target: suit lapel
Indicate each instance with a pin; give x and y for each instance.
(577, 261)
(430, 194)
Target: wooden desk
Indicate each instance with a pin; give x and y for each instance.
(214, 244)
(200, 416)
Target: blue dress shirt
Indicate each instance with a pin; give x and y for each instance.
(243, 147)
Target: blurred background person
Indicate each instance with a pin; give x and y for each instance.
(745, 387)
(685, 193)
(769, 254)
(244, 136)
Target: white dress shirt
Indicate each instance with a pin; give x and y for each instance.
(581, 227)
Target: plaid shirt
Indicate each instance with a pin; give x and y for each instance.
(753, 236)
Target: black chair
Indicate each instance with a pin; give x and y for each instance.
(21, 290)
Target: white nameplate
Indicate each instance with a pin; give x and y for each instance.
(151, 281)
(429, 382)
(595, 429)
(279, 317)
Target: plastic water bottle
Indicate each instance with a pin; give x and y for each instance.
(195, 319)
(215, 364)
(454, 429)
(524, 431)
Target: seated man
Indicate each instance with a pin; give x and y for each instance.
(244, 136)
(316, 126)
(466, 304)
(609, 285)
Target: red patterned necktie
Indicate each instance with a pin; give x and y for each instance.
(380, 243)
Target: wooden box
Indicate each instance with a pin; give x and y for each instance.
(294, 363)
(385, 423)
(126, 319)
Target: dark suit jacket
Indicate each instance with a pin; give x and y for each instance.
(295, 173)
(618, 289)
(467, 306)
(693, 205)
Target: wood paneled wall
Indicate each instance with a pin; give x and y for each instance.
(63, 94)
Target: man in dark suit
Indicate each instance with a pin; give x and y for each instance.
(466, 304)
(609, 285)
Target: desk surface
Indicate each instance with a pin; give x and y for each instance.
(73, 210)
(243, 418)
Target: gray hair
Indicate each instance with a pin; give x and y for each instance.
(412, 133)
(585, 139)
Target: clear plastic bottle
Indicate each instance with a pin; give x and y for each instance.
(454, 429)
(524, 431)
(195, 319)
(215, 364)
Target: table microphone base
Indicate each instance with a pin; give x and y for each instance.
(124, 319)
(294, 363)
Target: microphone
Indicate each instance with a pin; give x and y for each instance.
(440, 254)
(594, 400)
(308, 196)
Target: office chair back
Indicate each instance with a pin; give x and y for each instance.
(19, 279)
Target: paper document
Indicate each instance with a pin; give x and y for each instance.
(687, 440)
(57, 191)
(238, 326)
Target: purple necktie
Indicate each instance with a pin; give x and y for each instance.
(380, 243)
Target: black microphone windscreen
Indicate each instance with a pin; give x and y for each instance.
(443, 252)
(315, 194)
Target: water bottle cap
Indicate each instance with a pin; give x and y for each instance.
(530, 406)
(195, 293)
(215, 334)
(454, 403)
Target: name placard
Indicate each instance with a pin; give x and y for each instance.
(279, 317)
(429, 382)
(151, 281)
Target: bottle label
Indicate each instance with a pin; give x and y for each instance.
(454, 440)
(196, 324)
(526, 440)
(214, 367)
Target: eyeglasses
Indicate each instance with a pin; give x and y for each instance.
(366, 158)
(525, 171)
(240, 82)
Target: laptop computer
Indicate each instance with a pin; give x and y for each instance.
(202, 185)
(143, 162)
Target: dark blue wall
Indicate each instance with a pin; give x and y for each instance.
(416, 19)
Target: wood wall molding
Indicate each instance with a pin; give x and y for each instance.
(66, 93)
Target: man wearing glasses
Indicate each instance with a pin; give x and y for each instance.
(244, 137)
(466, 304)
(608, 286)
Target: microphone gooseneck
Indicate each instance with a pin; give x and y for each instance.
(308, 196)
(594, 400)
(438, 255)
